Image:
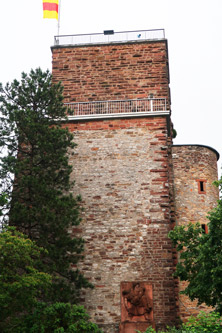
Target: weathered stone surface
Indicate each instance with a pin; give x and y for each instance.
(192, 163)
(133, 189)
(121, 168)
(110, 72)
(132, 327)
(123, 179)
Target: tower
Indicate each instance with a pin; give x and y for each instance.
(117, 85)
(194, 170)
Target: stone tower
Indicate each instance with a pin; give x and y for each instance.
(117, 85)
(194, 169)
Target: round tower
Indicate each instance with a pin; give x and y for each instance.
(194, 171)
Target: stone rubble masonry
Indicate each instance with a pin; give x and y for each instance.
(111, 72)
(121, 169)
(192, 163)
(121, 172)
(134, 190)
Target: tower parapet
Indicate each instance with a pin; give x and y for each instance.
(109, 36)
(113, 71)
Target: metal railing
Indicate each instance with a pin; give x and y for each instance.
(109, 36)
(117, 107)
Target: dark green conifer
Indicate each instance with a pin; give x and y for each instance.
(35, 174)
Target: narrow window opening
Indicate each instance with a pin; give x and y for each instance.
(205, 228)
(202, 186)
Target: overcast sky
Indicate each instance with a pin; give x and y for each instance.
(193, 29)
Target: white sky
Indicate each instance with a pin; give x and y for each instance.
(193, 29)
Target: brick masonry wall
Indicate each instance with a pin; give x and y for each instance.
(110, 72)
(192, 163)
(133, 190)
(121, 170)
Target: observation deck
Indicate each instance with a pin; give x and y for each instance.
(118, 108)
(95, 73)
(109, 36)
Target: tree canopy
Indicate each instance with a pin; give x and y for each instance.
(21, 281)
(35, 176)
(200, 261)
(22, 284)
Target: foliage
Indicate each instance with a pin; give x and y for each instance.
(148, 330)
(57, 318)
(21, 283)
(209, 323)
(174, 133)
(21, 287)
(3, 202)
(36, 165)
(201, 259)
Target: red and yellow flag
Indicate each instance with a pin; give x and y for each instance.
(50, 9)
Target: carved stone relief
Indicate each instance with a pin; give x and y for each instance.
(136, 306)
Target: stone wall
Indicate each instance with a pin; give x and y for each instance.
(121, 171)
(192, 164)
(133, 189)
(110, 72)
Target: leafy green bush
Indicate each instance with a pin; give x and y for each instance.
(203, 323)
(58, 318)
(200, 263)
(22, 285)
(21, 282)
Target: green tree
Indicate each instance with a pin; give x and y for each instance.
(200, 262)
(21, 282)
(22, 285)
(35, 165)
(58, 318)
(203, 322)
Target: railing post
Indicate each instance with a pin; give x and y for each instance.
(151, 105)
(151, 101)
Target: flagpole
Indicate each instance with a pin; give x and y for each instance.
(59, 16)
